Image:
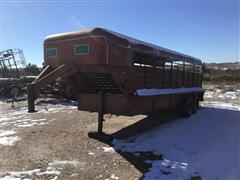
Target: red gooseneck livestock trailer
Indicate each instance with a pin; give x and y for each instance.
(108, 72)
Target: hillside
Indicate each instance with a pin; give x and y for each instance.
(223, 66)
(221, 72)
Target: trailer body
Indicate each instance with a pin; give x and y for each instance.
(135, 77)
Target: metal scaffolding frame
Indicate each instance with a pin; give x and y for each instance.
(12, 62)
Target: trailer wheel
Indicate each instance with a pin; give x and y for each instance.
(196, 104)
(70, 92)
(14, 91)
(187, 107)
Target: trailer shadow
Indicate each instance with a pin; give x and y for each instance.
(139, 159)
(146, 124)
(150, 140)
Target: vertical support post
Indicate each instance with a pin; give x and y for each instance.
(31, 96)
(183, 77)
(100, 135)
(193, 75)
(171, 75)
(101, 112)
(13, 101)
(163, 76)
(145, 73)
(154, 74)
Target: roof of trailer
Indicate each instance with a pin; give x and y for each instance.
(91, 31)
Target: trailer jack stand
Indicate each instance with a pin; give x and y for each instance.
(100, 135)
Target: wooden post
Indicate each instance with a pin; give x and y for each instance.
(101, 112)
(31, 96)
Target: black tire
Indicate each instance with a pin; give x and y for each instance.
(14, 91)
(196, 104)
(70, 92)
(187, 106)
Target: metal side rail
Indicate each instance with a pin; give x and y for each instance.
(44, 72)
(33, 89)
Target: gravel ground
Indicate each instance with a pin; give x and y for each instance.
(60, 135)
(53, 143)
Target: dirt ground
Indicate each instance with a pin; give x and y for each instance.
(62, 135)
(222, 92)
(53, 143)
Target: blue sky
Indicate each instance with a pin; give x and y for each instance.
(203, 29)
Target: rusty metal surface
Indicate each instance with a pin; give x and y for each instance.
(120, 40)
(123, 105)
(109, 68)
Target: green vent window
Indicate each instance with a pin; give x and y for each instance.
(51, 53)
(81, 49)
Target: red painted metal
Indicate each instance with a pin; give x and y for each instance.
(118, 66)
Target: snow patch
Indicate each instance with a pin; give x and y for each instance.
(220, 105)
(154, 92)
(73, 175)
(108, 149)
(113, 176)
(18, 175)
(174, 165)
(53, 171)
(231, 95)
(6, 133)
(192, 146)
(63, 163)
(20, 116)
(208, 94)
(8, 138)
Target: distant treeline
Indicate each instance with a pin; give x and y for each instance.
(29, 70)
(220, 75)
(216, 73)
